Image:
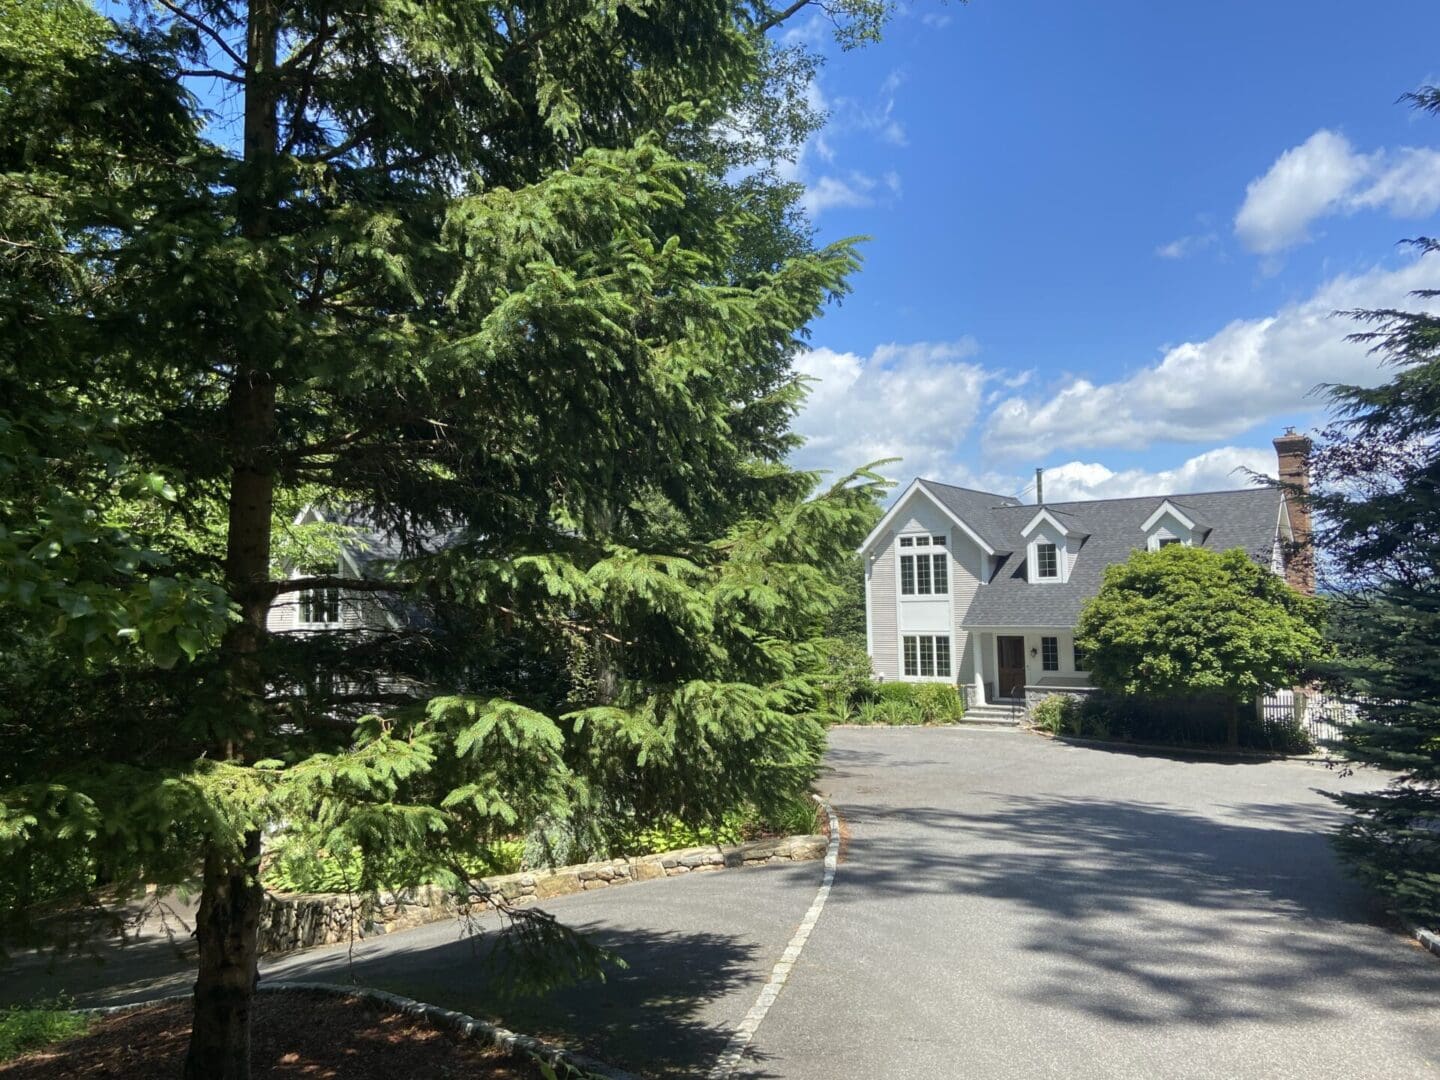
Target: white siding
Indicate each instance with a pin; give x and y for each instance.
(884, 636)
(283, 613)
(967, 564)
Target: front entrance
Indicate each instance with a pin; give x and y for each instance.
(1010, 661)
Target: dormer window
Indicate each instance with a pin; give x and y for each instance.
(924, 573)
(1173, 523)
(1053, 540)
(1047, 561)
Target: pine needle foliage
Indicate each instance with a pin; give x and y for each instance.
(515, 287)
(1376, 501)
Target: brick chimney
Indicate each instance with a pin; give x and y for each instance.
(1293, 452)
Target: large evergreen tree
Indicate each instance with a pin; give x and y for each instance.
(511, 275)
(1376, 499)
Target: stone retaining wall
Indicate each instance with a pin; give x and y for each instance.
(1034, 695)
(290, 921)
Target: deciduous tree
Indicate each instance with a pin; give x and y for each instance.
(1185, 620)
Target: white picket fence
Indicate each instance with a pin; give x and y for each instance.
(1321, 715)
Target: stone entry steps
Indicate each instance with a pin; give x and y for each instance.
(993, 714)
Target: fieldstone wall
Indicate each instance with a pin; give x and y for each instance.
(1034, 695)
(290, 921)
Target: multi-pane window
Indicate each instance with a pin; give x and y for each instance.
(320, 606)
(942, 574)
(1050, 653)
(927, 656)
(922, 575)
(942, 655)
(1079, 658)
(1047, 561)
(927, 573)
(1166, 541)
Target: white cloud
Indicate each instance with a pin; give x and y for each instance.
(1215, 389)
(1325, 175)
(828, 187)
(918, 402)
(1185, 246)
(1306, 182)
(1214, 470)
(1409, 187)
(827, 192)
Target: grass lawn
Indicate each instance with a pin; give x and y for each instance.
(23, 1029)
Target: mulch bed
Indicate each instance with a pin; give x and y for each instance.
(295, 1035)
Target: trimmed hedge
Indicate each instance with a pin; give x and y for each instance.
(1178, 721)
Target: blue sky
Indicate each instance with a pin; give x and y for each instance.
(1107, 237)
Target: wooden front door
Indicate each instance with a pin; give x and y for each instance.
(1010, 656)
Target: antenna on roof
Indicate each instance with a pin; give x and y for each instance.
(1039, 487)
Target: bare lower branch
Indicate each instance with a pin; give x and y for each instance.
(206, 29)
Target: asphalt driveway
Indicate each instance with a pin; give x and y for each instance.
(1012, 907)
(1006, 907)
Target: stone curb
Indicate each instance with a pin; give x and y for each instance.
(293, 921)
(1428, 939)
(461, 1024)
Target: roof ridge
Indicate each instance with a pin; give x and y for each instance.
(1007, 500)
(1143, 498)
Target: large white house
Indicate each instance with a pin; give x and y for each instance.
(983, 591)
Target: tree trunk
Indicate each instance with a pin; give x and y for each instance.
(227, 925)
(1232, 726)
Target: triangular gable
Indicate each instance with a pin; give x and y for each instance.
(894, 511)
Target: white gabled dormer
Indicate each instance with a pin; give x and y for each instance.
(1051, 544)
(1172, 524)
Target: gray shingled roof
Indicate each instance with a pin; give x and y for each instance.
(1227, 519)
(977, 509)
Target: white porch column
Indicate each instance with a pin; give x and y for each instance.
(981, 644)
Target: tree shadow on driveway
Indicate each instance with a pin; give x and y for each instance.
(657, 1016)
(1149, 914)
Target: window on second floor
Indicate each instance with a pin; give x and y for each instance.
(924, 575)
(1166, 541)
(1047, 561)
(320, 607)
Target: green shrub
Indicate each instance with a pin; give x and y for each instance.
(843, 712)
(904, 703)
(798, 817)
(1186, 720)
(1055, 714)
(673, 834)
(939, 703)
(307, 872)
(903, 692)
(25, 1028)
(845, 677)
